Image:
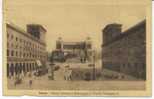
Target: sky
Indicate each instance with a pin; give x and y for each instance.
(73, 21)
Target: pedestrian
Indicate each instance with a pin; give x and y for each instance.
(69, 74)
(16, 80)
(30, 74)
(66, 72)
(30, 79)
(30, 83)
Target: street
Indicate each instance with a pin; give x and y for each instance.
(59, 82)
(42, 83)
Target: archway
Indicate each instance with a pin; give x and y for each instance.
(16, 68)
(30, 67)
(27, 67)
(8, 69)
(20, 68)
(24, 68)
(12, 69)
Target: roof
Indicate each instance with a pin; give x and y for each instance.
(109, 26)
(128, 31)
(23, 32)
(37, 25)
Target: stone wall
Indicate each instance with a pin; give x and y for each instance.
(127, 53)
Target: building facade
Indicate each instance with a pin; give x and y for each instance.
(78, 49)
(125, 52)
(24, 49)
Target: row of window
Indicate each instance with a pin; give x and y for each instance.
(20, 54)
(16, 46)
(134, 66)
(31, 51)
(24, 42)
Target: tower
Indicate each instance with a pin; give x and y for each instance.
(110, 32)
(37, 31)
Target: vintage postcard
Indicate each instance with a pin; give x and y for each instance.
(77, 47)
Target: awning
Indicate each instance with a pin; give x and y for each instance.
(38, 62)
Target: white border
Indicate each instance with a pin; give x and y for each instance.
(25, 97)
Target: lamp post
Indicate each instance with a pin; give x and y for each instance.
(94, 65)
(52, 69)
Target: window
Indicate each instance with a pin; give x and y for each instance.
(8, 35)
(12, 37)
(30, 54)
(7, 44)
(12, 45)
(16, 53)
(12, 53)
(8, 70)
(20, 54)
(7, 52)
(24, 55)
(16, 39)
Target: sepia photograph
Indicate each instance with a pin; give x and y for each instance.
(77, 48)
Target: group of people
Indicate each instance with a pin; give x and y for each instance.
(18, 79)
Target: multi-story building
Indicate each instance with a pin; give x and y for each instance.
(125, 52)
(25, 49)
